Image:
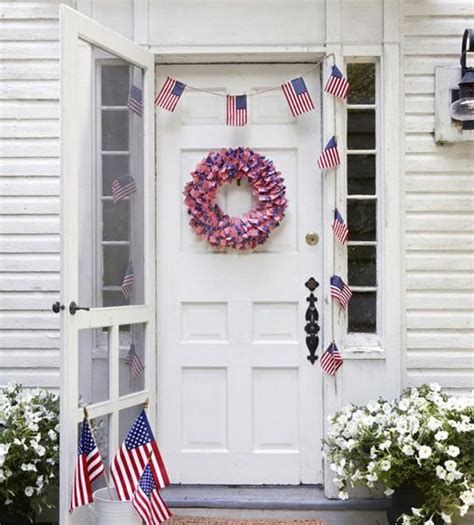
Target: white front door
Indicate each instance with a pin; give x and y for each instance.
(238, 400)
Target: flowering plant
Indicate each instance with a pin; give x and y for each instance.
(423, 439)
(29, 459)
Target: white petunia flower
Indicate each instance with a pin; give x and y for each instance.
(373, 406)
(452, 451)
(467, 497)
(372, 477)
(450, 465)
(440, 472)
(403, 405)
(29, 491)
(424, 452)
(343, 495)
(385, 465)
(442, 435)
(52, 435)
(463, 510)
(446, 517)
(429, 522)
(385, 445)
(416, 512)
(434, 424)
(435, 387)
(408, 450)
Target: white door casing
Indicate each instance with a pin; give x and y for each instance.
(238, 400)
(83, 42)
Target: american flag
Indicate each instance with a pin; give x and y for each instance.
(147, 500)
(135, 100)
(331, 360)
(89, 466)
(329, 157)
(236, 114)
(340, 291)
(339, 227)
(136, 451)
(337, 84)
(133, 361)
(297, 96)
(169, 95)
(123, 187)
(128, 280)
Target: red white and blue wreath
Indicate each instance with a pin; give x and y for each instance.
(225, 166)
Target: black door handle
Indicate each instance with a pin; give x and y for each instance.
(57, 307)
(312, 318)
(73, 308)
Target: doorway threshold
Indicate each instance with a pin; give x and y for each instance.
(265, 497)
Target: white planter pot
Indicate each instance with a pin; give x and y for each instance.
(112, 511)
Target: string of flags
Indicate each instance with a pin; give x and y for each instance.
(300, 102)
(133, 361)
(138, 471)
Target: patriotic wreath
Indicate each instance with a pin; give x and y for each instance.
(239, 233)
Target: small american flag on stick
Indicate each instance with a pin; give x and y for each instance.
(147, 500)
(340, 291)
(128, 281)
(89, 466)
(170, 93)
(236, 114)
(138, 449)
(123, 187)
(135, 100)
(329, 157)
(331, 360)
(339, 227)
(297, 96)
(337, 84)
(133, 361)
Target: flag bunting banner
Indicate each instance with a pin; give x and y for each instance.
(340, 291)
(339, 227)
(329, 157)
(135, 100)
(170, 93)
(337, 84)
(133, 361)
(298, 97)
(123, 187)
(236, 110)
(331, 360)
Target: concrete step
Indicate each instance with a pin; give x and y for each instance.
(273, 502)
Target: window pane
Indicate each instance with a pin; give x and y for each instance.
(361, 174)
(114, 298)
(361, 261)
(127, 417)
(113, 167)
(115, 264)
(363, 312)
(116, 220)
(115, 83)
(361, 220)
(362, 80)
(132, 358)
(93, 365)
(361, 129)
(115, 130)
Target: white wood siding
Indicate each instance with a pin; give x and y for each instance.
(439, 184)
(29, 192)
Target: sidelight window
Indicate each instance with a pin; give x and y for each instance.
(363, 147)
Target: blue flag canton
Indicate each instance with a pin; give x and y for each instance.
(331, 144)
(125, 179)
(147, 481)
(337, 282)
(338, 216)
(178, 88)
(136, 93)
(86, 443)
(299, 86)
(241, 102)
(332, 348)
(335, 72)
(140, 433)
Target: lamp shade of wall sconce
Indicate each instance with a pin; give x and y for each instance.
(462, 107)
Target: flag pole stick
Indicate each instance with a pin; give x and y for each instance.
(107, 481)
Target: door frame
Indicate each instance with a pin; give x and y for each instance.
(331, 124)
(73, 28)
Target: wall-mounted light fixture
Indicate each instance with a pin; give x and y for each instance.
(462, 107)
(454, 96)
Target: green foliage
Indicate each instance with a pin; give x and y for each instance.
(424, 440)
(29, 453)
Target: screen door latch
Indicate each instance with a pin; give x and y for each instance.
(57, 307)
(312, 318)
(73, 308)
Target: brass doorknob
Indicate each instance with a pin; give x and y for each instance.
(312, 238)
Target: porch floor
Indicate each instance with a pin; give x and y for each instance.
(268, 497)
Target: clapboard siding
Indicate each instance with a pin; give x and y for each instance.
(439, 203)
(29, 189)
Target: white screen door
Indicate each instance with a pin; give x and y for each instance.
(108, 253)
(240, 402)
